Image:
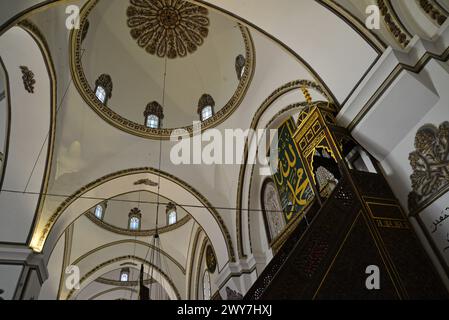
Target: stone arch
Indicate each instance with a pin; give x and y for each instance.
(47, 233)
(267, 116)
(32, 106)
(113, 264)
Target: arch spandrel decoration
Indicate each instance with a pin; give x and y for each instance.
(138, 129)
(43, 231)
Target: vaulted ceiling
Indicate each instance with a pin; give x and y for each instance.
(98, 153)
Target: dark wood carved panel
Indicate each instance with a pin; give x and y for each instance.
(263, 281)
(330, 260)
(347, 274)
(416, 275)
(371, 185)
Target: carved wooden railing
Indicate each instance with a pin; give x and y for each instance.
(360, 224)
(302, 261)
(270, 271)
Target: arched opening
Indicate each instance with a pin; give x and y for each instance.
(124, 182)
(27, 153)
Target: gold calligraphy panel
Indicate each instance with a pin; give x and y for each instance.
(292, 183)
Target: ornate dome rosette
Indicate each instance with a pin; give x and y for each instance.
(127, 116)
(168, 28)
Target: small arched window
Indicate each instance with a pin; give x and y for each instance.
(134, 223)
(206, 106)
(273, 215)
(172, 216)
(101, 94)
(99, 210)
(153, 114)
(240, 63)
(103, 88)
(124, 275)
(206, 285)
(134, 219)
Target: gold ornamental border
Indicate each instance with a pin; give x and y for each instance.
(118, 283)
(118, 288)
(129, 241)
(279, 240)
(136, 233)
(113, 118)
(200, 265)
(122, 258)
(191, 262)
(42, 43)
(40, 241)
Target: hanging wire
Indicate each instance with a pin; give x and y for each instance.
(156, 235)
(100, 199)
(48, 132)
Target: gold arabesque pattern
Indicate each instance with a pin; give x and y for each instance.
(168, 28)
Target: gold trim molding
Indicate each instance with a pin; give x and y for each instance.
(394, 24)
(39, 240)
(200, 265)
(138, 129)
(118, 283)
(191, 263)
(135, 242)
(41, 42)
(112, 290)
(417, 68)
(433, 11)
(356, 24)
(129, 257)
(136, 233)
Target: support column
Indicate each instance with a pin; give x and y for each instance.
(23, 272)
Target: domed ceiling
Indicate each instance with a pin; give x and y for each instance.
(117, 210)
(169, 51)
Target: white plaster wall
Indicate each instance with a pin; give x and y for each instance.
(30, 117)
(138, 77)
(290, 21)
(397, 166)
(330, 46)
(105, 149)
(9, 9)
(396, 163)
(50, 287)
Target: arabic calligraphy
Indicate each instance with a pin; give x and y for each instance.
(293, 185)
(440, 219)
